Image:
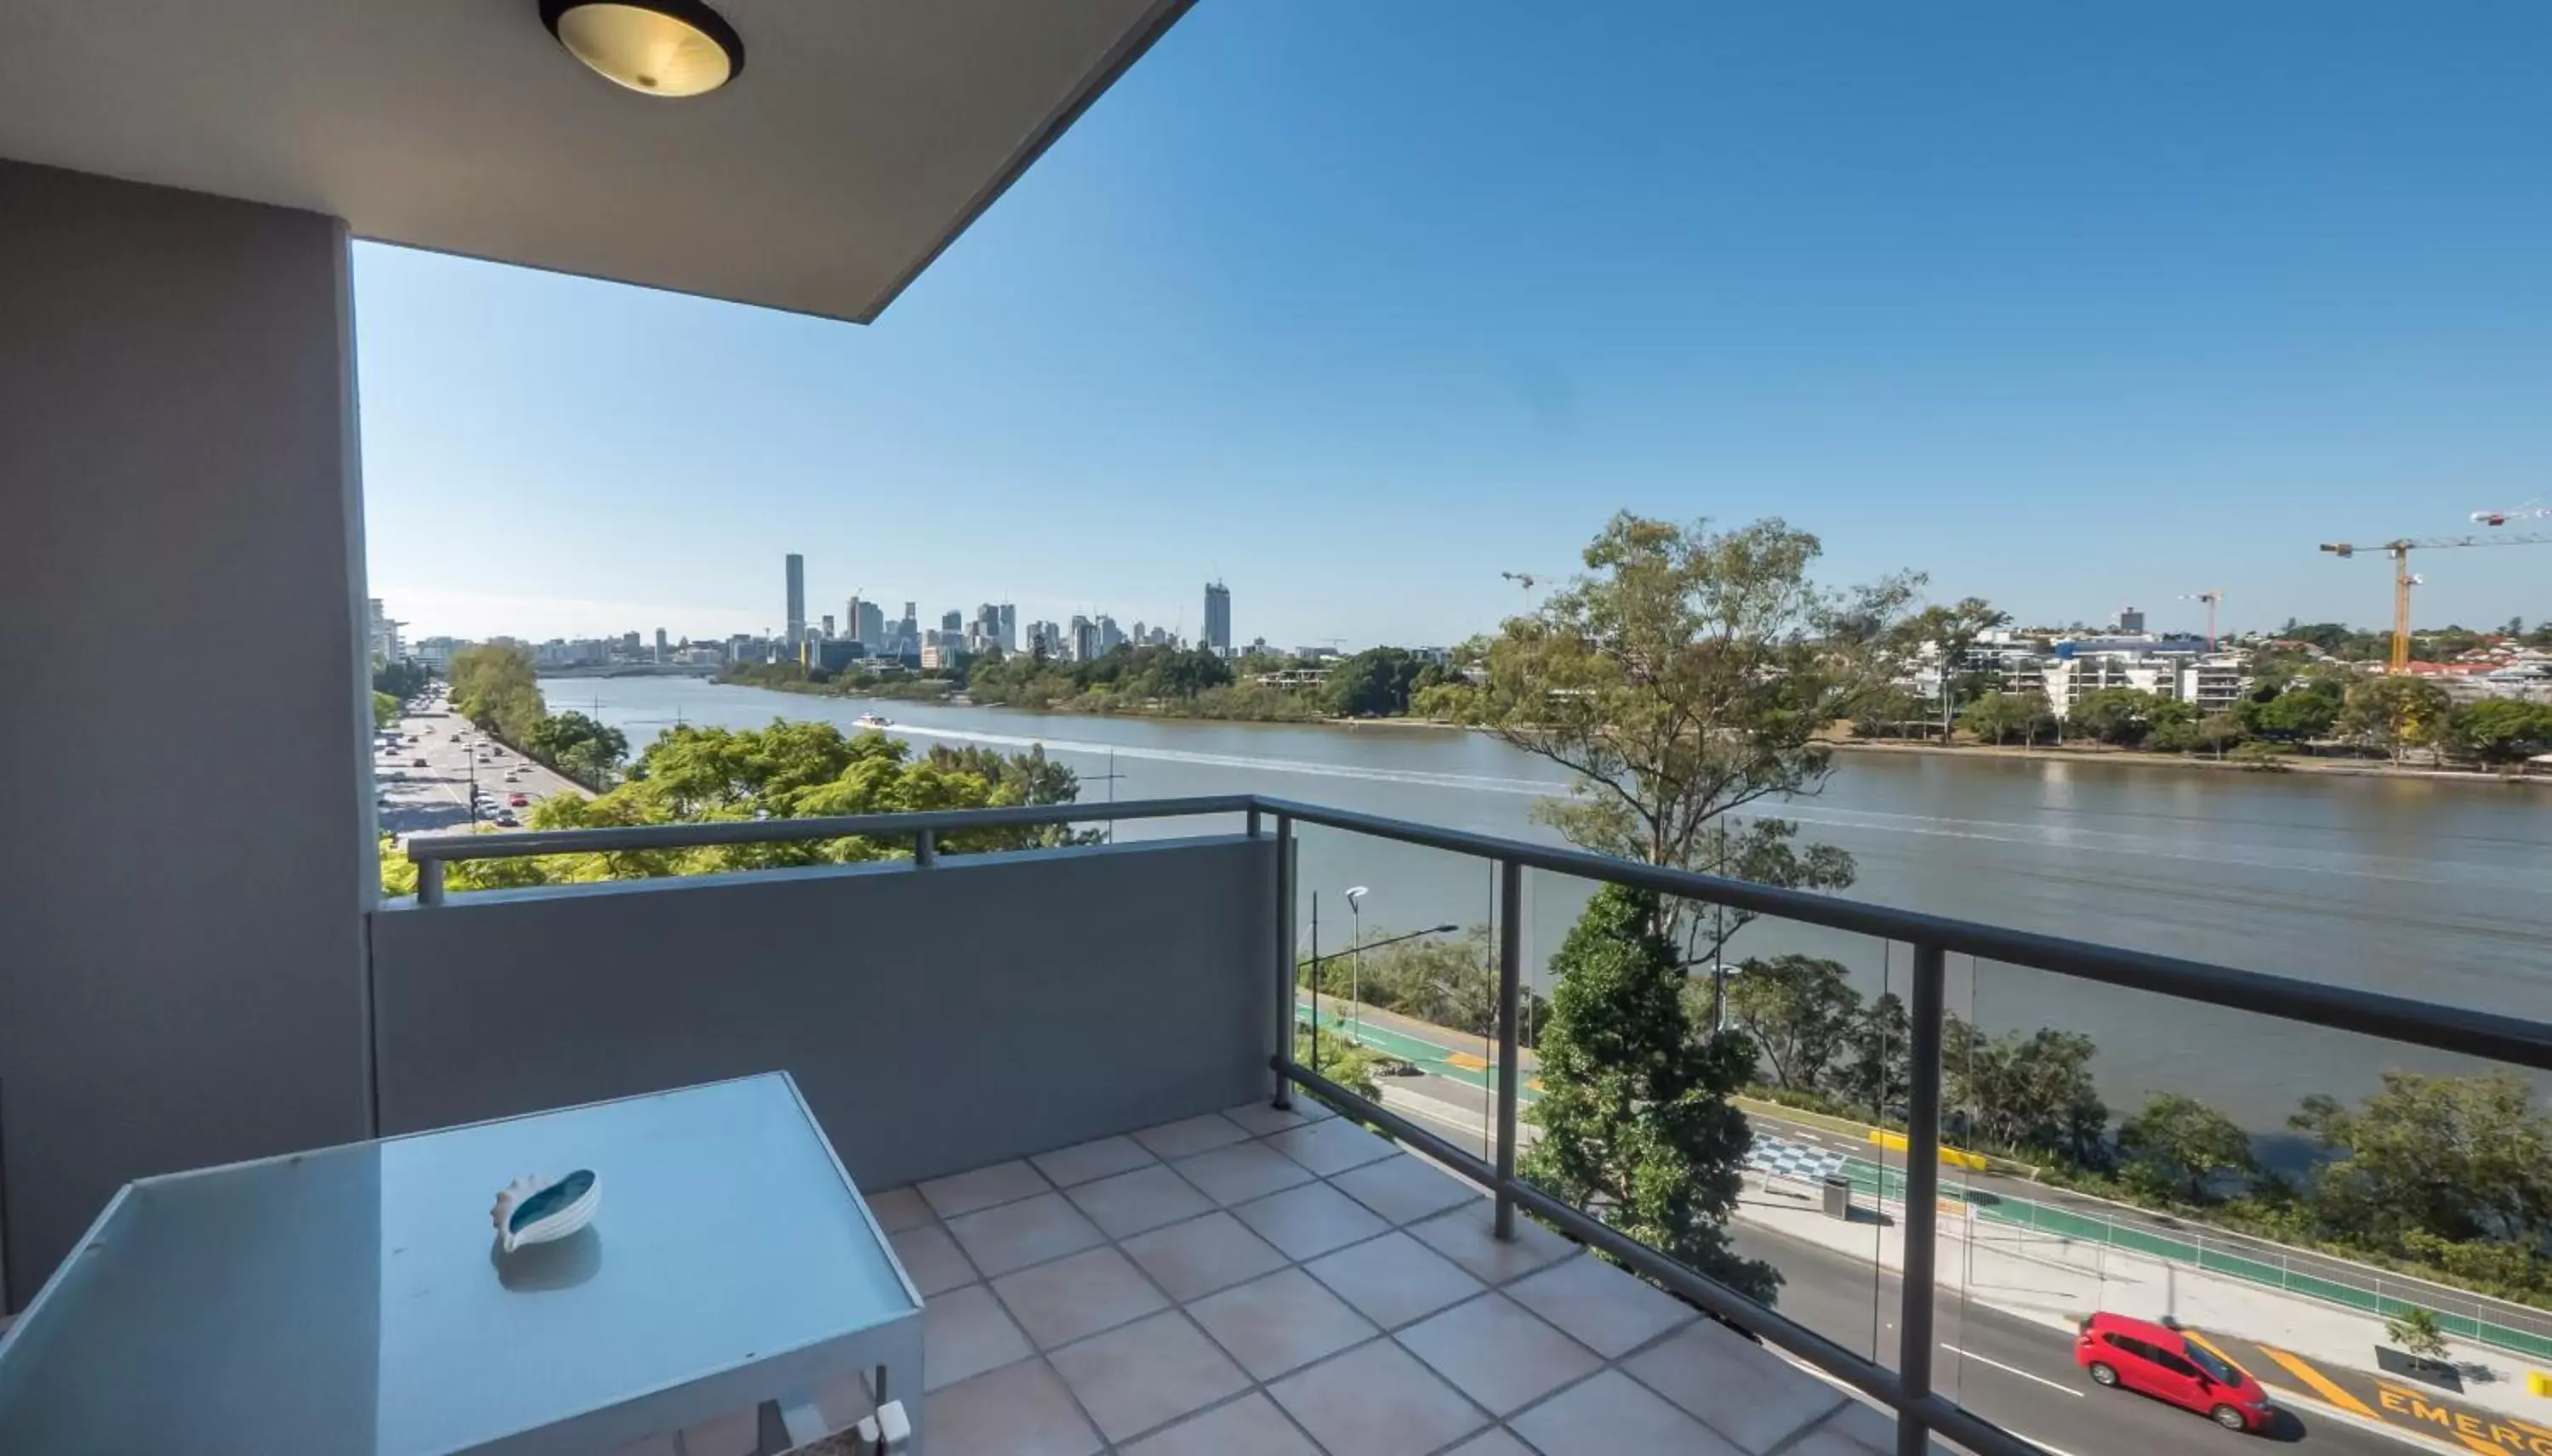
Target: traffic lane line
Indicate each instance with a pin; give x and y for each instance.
(2055, 1386)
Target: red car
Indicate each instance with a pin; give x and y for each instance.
(2161, 1362)
(516, 799)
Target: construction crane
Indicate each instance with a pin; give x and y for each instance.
(2404, 581)
(2213, 599)
(2527, 512)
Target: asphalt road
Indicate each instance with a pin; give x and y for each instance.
(2015, 1372)
(435, 799)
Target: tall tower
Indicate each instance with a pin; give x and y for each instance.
(1009, 627)
(796, 603)
(1218, 618)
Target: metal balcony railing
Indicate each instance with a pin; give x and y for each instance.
(1907, 1389)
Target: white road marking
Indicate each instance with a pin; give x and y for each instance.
(2010, 1369)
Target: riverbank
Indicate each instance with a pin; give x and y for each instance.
(909, 692)
(2137, 758)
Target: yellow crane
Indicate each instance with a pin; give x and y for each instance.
(2404, 581)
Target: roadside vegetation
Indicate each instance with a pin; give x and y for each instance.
(788, 771)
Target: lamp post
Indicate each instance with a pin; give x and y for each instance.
(1355, 968)
(1313, 966)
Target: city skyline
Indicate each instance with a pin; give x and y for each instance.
(2248, 282)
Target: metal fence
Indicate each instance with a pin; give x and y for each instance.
(1907, 1389)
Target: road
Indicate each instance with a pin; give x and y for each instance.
(2016, 1372)
(435, 799)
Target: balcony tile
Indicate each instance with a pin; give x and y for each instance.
(933, 1258)
(1404, 1190)
(1241, 1172)
(1311, 1220)
(1279, 1323)
(1062, 1302)
(1083, 1161)
(1733, 1386)
(1498, 1352)
(1394, 1279)
(1376, 1399)
(1495, 1441)
(898, 1208)
(1248, 1427)
(1146, 1197)
(1262, 1118)
(1146, 1374)
(1194, 1259)
(964, 1333)
(982, 1188)
(1613, 1413)
(1031, 1231)
(1333, 1145)
(1855, 1430)
(1468, 1237)
(1021, 1410)
(1191, 1135)
(1608, 1310)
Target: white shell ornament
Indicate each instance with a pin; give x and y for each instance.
(533, 1210)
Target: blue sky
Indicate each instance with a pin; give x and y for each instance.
(1360, 305)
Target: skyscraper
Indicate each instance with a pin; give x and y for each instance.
(1218, 618)
(828, 626)
(1009, 627)
(660, 644)
(797, 602)
(868, 624)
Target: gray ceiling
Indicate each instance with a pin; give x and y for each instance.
(863, 135)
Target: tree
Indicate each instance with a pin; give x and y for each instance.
(2113, 715)
(2504, 730)
(1800, 1012)
(1880, 1071)
(2000, 717)
(1687, 675)
(2180, 1148)
(1356, 1067)
(2170, 726)
(1636, 1123)
(402, 679)
(2305, 708)
(1374, 684)
(2033, 1092)
(2417, 1333)
(385, 709)
(1950, 631)
(583, 748)
(2459, 1158)
(493, 688)
(2394, 714)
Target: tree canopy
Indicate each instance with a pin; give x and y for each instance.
(1634, 1117)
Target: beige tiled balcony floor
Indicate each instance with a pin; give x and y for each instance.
(1267, 1284)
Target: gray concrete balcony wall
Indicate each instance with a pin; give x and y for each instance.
(938, 1020)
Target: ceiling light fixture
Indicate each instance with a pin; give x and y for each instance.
(662, 48)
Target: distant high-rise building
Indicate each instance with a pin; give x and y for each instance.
(1083, 639)
(1045, 637)
(952, 621)
(1009, 633)
(2129, 619)
(1218, 618)
(660, 644)
(797, 599)
(383, 633)
(1110, 638)
(909, 638)
(828, 626)
(868, 624)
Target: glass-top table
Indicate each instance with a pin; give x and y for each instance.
(352, 1300)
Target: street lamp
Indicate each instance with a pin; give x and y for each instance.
(1355, 968)
(1313, 966)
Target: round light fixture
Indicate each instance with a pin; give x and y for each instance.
(662, 48)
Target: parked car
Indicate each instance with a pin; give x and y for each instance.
(2158, 1361)
(416, 763)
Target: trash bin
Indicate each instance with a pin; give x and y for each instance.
(1839, 1198)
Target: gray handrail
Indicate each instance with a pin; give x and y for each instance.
(2372, 1014)
(515, 844)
